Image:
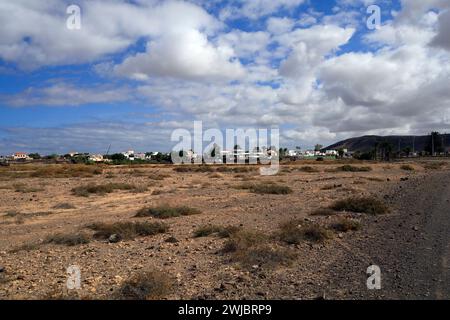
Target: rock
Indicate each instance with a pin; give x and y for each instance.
(171, 240)
(415, 228)
(2, 269)
(114, 238)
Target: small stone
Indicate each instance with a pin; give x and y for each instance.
(171, 240)
(2, 269)
(415, 228)
(114, 238)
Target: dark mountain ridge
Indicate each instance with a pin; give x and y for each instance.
(414, 143)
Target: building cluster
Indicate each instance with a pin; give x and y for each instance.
(221, 156)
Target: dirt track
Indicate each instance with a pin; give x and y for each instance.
(411, 246)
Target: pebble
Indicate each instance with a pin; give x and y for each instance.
(2, 269)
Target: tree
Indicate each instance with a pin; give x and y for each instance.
(383, 150)
(341, 152)
(318, 147)
(215, 151)
(118, 157)
(34, 156)
(435, 143)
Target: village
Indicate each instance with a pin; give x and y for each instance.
(224, 156)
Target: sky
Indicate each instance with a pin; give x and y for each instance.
(137, 70)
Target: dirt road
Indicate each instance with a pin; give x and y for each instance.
(411, 246)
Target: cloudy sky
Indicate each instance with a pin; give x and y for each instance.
(137, 70)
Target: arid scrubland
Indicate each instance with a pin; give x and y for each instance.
(187, 232)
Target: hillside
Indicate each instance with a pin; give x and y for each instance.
(366, 143)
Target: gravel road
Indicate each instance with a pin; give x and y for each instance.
(411, 246)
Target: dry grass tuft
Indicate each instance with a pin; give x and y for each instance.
(407, 167)
(308, 169)
(324, 212)
(147, 285)
(127, 230)
(64, 206)
(367, 205)
(252, 249)
(66, 171)
(435, 165)
(158, 176)
(220, 231)
(345, 225)
(350, 168)
(295, 232)
(23, 188)
(68, 239)
(265, 188)
(165, 212)
(102, 189)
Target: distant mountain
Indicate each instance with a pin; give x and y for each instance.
(367, 143)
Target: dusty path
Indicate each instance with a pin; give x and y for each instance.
(411, 246)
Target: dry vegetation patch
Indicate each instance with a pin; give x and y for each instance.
(369, 205)
(252, 249)
(23, 188)
(220, 231)
(127, 230)
(407, 167)
(265, 188)
(71, 239)
(295, 232)
(102, 189)
(64, 206)
(165, 212)
(66, 171)
(146, 285)
(350, 168)
(435, 165)
(346, 224)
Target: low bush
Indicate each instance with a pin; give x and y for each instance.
(102, 189)
(367, 205)
(222, 232)
(252, 249)
(127, 230)
(165, 212)
(294, 232)
(68, 239)
(350, 168)
(146, 285)
(345, 225)
(407, 167)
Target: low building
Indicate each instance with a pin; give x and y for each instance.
(129, 155)
(331, 153)
(20, 156)
(96, 158)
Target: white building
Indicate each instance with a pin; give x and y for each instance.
(129, 155)
(20, 156)
(96, 158)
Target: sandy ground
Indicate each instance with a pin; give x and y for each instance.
(198, 268)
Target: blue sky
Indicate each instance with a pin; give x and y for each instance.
(136, 71)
